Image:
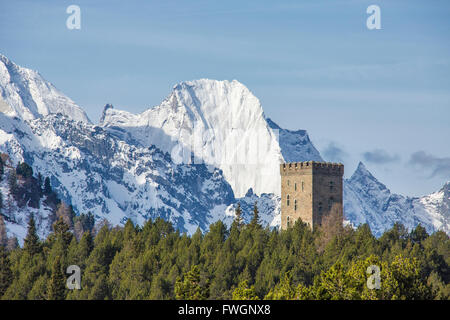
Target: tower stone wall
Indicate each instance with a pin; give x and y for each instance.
(310, 191)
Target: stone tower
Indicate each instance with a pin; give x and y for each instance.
(310, 190)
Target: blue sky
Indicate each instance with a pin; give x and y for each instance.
(380, 96)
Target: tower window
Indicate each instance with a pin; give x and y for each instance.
(331, 186)
(330, 203)
(295, 186)
(295, 205)
(320, 206)
(288, 182)
(287, 200)
(287, 221)
(303, 186)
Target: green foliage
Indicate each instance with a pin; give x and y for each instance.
(244, 292)
(191, 287)
(24, 187)
(61, 232)
(255, 223)
(47, 186)
(12, 182)
(24, 170)
(87, 221)
(404, 281)
(3, 235)
(31, 243)
(247, 261)
(5, 271)
(56, 286)
(2, 169)
(238, 220)
(284, 290)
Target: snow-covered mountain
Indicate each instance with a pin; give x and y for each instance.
(366, 200)
(207, 146)
(96, 172)
(130, 172)
(28, 96)
(223, 125)
(16, 216)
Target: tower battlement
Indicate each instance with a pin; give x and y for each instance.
(317, 167)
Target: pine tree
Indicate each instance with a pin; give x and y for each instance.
(61, 230)
(191, 287)
(238, 220)
(129, 230)
(284, 290)
(255, 220)
(3, 235)
(24, 170)
(56, 287)
(419, 234)
(12, 182)
(47, 186)
(39, 181)
(31, 243)
(85, 246)
(5, 271)
(2, 170)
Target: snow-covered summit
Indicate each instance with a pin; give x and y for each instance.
(221, 123)
(28, 95)
(364, 179)
(366, 200)
(295, 145)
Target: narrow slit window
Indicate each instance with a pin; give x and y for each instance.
(330, 203)
(287, 200)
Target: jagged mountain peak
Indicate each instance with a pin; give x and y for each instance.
(362, 174)
(5, 59)
(29, 96)
(361, 169)
(274, 125)
(366, 200)
(295, 144)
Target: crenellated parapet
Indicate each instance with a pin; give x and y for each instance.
(309, 167)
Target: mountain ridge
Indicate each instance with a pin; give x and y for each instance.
(147, 165)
